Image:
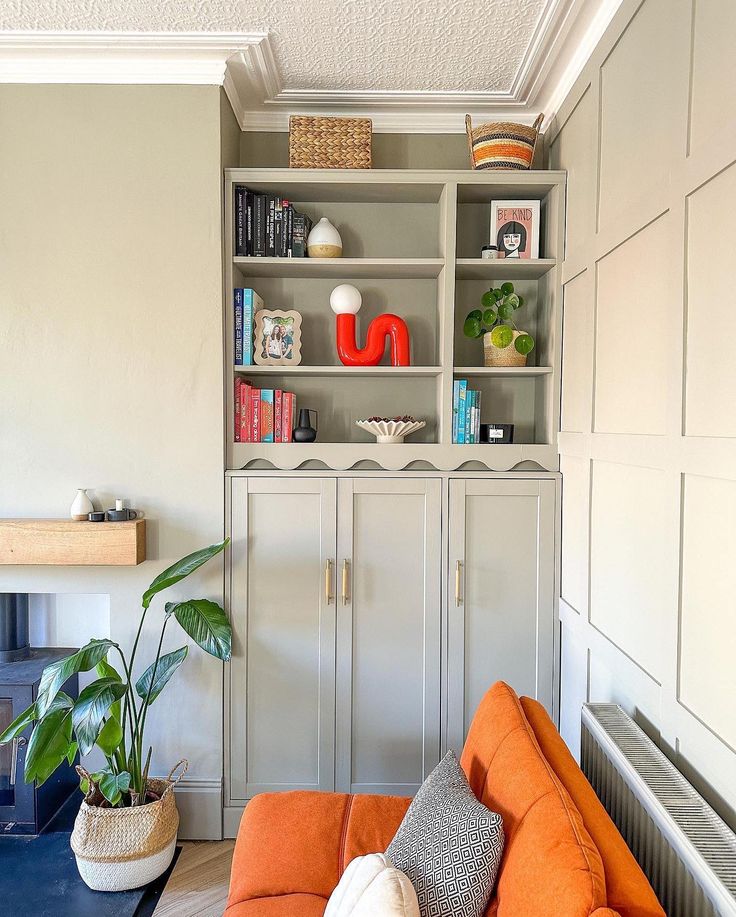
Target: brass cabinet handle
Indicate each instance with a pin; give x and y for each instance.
(458, 579)
(345, 582)
(328, 582)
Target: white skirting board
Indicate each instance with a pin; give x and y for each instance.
(231, 820)
(200, 809)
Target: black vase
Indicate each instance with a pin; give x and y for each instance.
(304, 432)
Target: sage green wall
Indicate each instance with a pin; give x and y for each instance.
(111, 363)
(390, 151)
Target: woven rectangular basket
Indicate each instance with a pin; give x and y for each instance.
(502, 144)
(329, 143)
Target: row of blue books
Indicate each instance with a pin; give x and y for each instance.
(246, 304)
(465, 413)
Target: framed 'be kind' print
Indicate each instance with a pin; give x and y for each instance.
(515, 228)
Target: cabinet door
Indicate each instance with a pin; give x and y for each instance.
(500, 594)
(282, 674)
(388, 633)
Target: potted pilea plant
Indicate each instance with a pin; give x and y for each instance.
(125, 833)
(495, 322)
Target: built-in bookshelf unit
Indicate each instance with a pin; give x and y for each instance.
(411, 244)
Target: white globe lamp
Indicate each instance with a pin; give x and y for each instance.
(345, 299)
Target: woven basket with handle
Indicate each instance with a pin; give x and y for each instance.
(502, 144)
(123, 848)
(329, 143)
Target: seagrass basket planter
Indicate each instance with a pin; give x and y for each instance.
(502, 144)
(122, 848)
(329, 143)
(502, 356)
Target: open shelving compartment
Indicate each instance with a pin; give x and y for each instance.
(411, 241)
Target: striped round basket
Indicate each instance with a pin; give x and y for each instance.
(502, 144)
(118, 849)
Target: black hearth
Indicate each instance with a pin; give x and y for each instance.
(26, 808)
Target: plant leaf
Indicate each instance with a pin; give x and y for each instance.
(166, 667)
(49, 744)
(111, 734)
(105, 670)
(521, 301)
(507, 288)
(512, 300)
(19, 724)
(72, 753)
(505, 310)
(90, 709)
(207, 624)
(112, 786)
(472, 327)
(524, 344)
(488, 299)
(501, 336)
(181, 569)
(55, 675)
(490, 316)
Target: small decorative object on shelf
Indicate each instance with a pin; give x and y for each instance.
(497, 433)
(82, 506)
(388, 430)
(324, 240)
(120, 513)
(502, 144)
(515, 228)
(278, 338)
(329, 143)
(304, 432)
(345, 301)
(494, 322)
(489, 251)
(96, 517)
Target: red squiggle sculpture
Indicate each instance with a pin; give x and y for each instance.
(345, 301)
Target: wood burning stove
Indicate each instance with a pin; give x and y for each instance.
(26, 808)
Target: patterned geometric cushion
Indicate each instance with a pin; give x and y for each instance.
(449, 845)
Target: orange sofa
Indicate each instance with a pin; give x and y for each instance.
(563, 855)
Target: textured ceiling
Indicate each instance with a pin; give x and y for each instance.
(456, 45)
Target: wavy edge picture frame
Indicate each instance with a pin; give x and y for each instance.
(258, 333)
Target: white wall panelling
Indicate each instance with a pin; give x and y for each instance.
(649, 479)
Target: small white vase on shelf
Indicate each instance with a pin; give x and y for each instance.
(324, 240)
(82, 506)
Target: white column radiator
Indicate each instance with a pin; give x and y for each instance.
(687, 852)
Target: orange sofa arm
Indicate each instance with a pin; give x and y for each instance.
(300, 842)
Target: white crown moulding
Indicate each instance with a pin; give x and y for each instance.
(243, 63)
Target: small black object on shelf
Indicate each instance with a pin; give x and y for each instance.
(304, 432)
(502, 433)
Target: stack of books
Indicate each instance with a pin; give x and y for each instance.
(247, 303)
(263, 415)
(268, 226)
(465, 413)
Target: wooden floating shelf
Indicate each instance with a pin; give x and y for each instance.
(64, 542)
(355, 371)
(340, 268)
(395, 457)
(504, 371)
(506, 268)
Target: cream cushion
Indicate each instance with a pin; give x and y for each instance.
(372, 887)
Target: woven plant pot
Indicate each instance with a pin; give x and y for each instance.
(502, 144)
(119, 849)
(502, 356)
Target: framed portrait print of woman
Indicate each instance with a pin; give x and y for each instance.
(515, 228)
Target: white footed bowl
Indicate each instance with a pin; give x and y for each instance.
(390, 431)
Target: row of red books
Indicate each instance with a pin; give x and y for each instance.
(263, 415)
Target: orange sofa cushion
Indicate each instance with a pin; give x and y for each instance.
(550, 864)
(297, 844)
(627, 888)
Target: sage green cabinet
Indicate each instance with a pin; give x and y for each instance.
(500, 593)
(388, 633)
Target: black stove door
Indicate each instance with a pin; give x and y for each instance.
(17, 799)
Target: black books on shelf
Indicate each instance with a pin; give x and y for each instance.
(268, 226)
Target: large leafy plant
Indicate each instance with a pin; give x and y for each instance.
(111, 711)
(497, 317)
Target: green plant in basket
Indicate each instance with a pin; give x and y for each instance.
(111, 712)
(496, 317)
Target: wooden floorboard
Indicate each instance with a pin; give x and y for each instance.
(198, 885)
